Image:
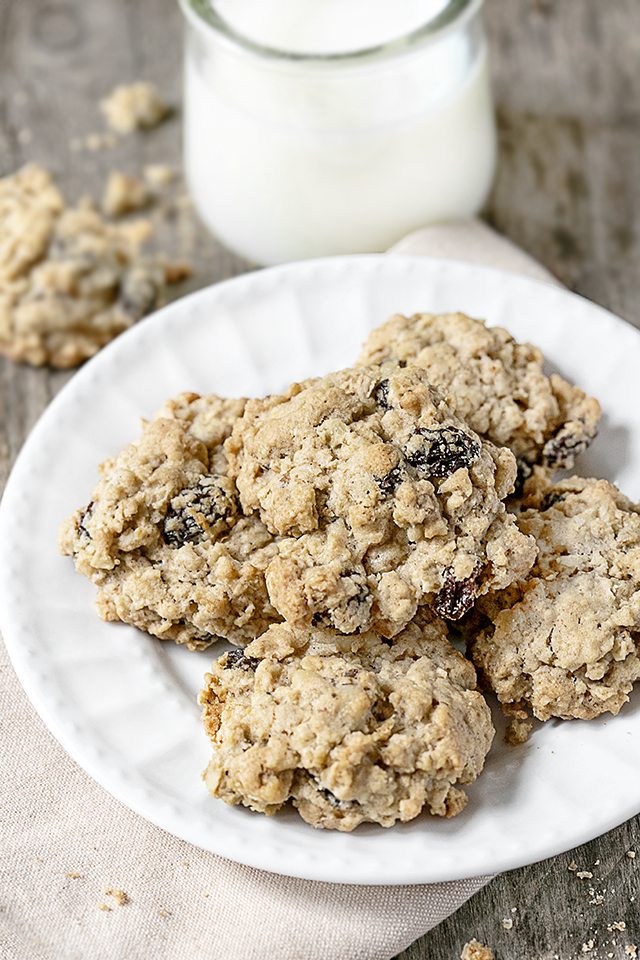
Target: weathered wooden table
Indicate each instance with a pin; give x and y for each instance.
(567, 78)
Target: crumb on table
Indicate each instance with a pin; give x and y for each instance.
(135, 106)
(474, 950)
(120, 897)
(73, 875)
(123, 194)
(95, 142)
(175, 271)
(159, 174)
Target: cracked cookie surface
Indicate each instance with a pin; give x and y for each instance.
(565, 642)
(495, 383)
(386, 499)
(163, 537)
(348, 728)
(69, 280)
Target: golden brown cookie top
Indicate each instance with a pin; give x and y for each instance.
(351, 729)
(393, 499)
(496, 384)
(566, 640)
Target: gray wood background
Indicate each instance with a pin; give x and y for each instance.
(567, 81)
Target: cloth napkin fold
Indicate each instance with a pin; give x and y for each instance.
(64, 839)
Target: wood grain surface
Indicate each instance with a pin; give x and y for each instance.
(567, 81)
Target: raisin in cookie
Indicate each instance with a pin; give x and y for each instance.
(348, 728)
(163, 537)
(69, 281)
(386, 499)
(495, 383)
(565, 642)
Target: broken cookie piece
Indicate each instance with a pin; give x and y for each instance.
(69, 281)
(348, 728)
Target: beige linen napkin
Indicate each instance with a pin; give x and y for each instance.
(64, 840)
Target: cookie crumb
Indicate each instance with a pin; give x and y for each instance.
(474, 950)
(584, 875)
(518, 731)
(95, 142)
(618, 925)
(507, 923)
(164, 913)
(588, 946)
(631, 854)
(177, 271)
(120, 897)
(104, 906)
(72, 875)
(123, 194)
(631, 950)
(159, 174)
(573, 866)
(76, 279)
(135, 106)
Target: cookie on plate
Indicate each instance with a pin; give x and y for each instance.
(387, 500)
(69, 280)
(349, 728)
(495, 383)
(565, 642)
(163, 536)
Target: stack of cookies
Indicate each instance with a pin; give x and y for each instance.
(341, 535)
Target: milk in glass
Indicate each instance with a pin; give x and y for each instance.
(317, 127)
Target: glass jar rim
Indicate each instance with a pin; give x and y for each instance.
(454, 14)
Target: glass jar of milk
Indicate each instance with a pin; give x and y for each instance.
(317, 127)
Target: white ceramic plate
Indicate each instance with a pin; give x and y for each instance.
(123, 704)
